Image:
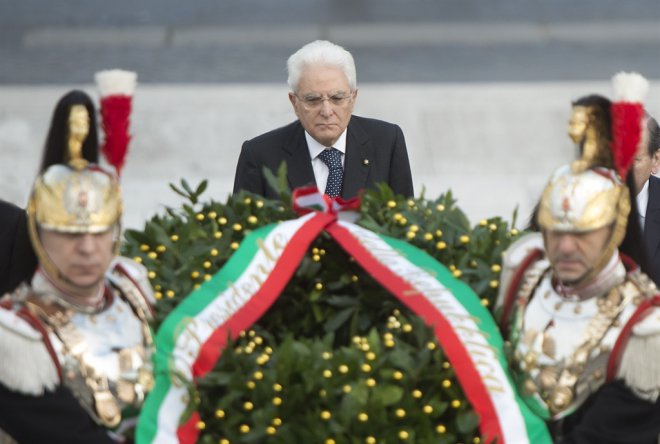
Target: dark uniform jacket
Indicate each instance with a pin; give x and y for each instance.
(17, 259)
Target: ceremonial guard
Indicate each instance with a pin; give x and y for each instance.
(17, 259)
(582, 322)
(75, 343)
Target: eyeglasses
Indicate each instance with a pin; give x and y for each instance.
(311, 101)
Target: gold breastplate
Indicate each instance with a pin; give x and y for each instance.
(554, 383)
(101, 395)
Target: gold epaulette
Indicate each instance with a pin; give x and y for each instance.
(640, 363)
(28, 363)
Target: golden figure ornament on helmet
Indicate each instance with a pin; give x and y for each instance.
(77, 197)
(587, 127)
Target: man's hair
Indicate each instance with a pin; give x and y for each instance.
(324, 53)
(653, 135)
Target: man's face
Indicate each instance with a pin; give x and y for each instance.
(643, 166)
(326, 119)
(82, 258)
(573, 255)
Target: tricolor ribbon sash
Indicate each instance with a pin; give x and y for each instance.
(191, 339)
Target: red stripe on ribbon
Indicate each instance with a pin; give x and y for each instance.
(260, 302)
(460, 359)
(327, 204)
(188, 432)
(257, 305)
(302, 192)
(286, 265)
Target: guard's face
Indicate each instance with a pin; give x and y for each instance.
(323, 103)
(573, 255)
(82, 258)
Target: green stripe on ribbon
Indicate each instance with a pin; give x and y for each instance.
(170, 329)
(536, 428)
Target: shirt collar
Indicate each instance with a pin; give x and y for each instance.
(643, 199)
(614, 273)
(315, 148)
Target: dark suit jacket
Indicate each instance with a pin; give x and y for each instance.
(652, 229)
(613, 415)
(375, 152)
(17, 259)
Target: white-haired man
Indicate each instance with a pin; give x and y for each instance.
(327, 146)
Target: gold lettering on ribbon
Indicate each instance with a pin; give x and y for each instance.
(496, 385)
(187, 334)
(424, 283)
(264, 249)
(179, 365)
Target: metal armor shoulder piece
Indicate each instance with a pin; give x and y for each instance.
(137, 273)
(27, 365)
(513, 259)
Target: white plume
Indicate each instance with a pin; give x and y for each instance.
(630, 87)
(116, 82)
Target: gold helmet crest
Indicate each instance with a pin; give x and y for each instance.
(71, 200)
(590, 194)
(581, 201)
(76, 196)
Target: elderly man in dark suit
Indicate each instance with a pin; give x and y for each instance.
(327, 146)
(647, 163)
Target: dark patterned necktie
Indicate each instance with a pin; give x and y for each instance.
(332, 158)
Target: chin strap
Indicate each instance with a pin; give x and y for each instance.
(44, 260)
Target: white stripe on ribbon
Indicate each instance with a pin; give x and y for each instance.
(484, 359)
(197, 330)
(311, 200)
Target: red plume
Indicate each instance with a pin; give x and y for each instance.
(116, 88)
(627, 111)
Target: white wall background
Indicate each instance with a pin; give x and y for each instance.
(493, 144)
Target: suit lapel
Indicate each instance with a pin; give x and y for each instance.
(299, 164)
(358, 149)
(652, 220)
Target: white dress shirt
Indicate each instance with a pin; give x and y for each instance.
(321, 171)
(642, 203)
